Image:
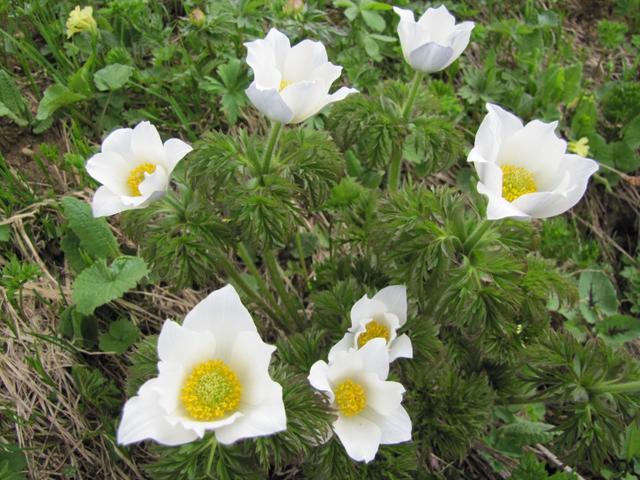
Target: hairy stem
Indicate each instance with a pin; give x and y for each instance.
(408, 104)
(473, 239)
(277, 275)
(276, 127)
(627, 387)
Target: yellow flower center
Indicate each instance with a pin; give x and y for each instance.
(136, 177)
(211, 391)
(284, 84)
(350, 398)
(516, 181)
(373, 330)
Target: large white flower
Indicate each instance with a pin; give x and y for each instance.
(133, 167)
(524, 170)
(213, 375)
(291, 83)
(369, 408)
(378, 317)
(435, 41)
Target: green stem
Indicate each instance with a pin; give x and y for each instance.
(277, 275)
(408, 105)
(396, 154)
(473, 239)
(276, 127)
(628, 387)
(244, 254)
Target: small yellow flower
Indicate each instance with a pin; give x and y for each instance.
(580, 147)
(81, 20)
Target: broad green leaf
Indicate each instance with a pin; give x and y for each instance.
(373, 20)
(100, 283)
(632, 133)
(122, 334)
(618, 329)
(598, 296)
(94, 233)
(12, 104)
(112, 77)
(56, 97)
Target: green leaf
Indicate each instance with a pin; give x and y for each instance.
(112, 77)
(122, 334)
(5, 233)
(618, 329)
(632, 133)
(56, 97)
(512, 437)
(598, 296)
(12, 104)
(100, 283)
(631, 442)
(94, 233)
(373, 20)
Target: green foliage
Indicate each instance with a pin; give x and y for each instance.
(12, 104)
(92, 234)
(112, 77)
(16, 273)
(598, 297)
(612, 34)
(143, 359)
(230, 88)
(530, 469)
(55, 97)
(13, 464)
(95, 390)
(100, 283)
(121, 335)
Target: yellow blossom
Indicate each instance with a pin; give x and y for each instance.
(81, 20)
(580, 147)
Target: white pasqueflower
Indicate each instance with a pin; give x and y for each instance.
(369, 408)
(213, 375)
(524, 170)
(133, 167)
(378, 317)
(290, 84)
(435, 41)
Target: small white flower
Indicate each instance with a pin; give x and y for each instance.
(524, 170)
(133, 167)
(435, 41)
(369, 408)
(378, 317)
(291, 84)
(213, 375)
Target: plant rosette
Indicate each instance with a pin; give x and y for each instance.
(378, 317)
(134, 168)
(213, 375)
(291, 84)
(524, 170)
(368, 407)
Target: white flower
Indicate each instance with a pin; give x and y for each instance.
(435, 41)
(213, 375)
(133, 167)
(524, 170)
(369, 407)
(291, 83)
(378, 317)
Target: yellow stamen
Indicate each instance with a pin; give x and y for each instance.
(350, 398)
(373, 330)
(136, 177)
(516, 181)
(211, 391)
(284, 84)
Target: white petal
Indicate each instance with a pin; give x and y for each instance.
(168, 383)
(327, 73)
(395, 298)
(319, 377)
(198, 427)
(490, 175)
(223, 314)
(249, 359)
(497, 126)
(460, 39)
(186, 347)
(395, 427)
(270, 103)
(147, 144)
(410, 33)
(303, 59)
(366, 308)
(119, 141)
(536, 148)
(280, 45)
(304, 99)
(430, 57)
(338, 95)
(382, 396)
(400, 348)
(143, 418)
(344, 345)
(158, 181)
(375, 357)
(105, 203)
(438, 23)
(174, 150)
(111, 170)
(265, 418)
(360, 437)
(498, 207)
